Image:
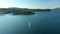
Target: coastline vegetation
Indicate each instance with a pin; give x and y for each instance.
(22, 11)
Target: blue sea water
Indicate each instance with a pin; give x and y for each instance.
(41, 23)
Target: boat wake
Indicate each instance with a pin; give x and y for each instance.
(29, 24)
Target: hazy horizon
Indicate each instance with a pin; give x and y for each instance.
(32, 4)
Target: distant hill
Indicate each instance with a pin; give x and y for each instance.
(57, 8)
(21, 10)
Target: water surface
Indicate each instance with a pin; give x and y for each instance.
(41, 23)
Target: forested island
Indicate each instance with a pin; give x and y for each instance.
(15, 10)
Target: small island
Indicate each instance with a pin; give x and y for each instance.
(23, 13)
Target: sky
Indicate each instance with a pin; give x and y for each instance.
(30, 4)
